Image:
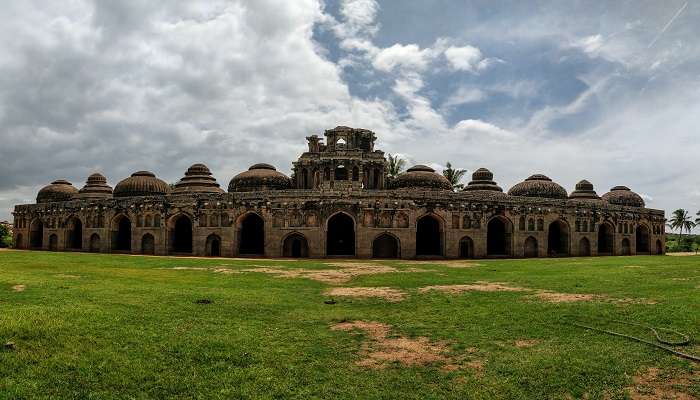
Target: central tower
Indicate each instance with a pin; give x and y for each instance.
(347, 161)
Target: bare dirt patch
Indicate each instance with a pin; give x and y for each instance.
(444, 263)
(385, 293)
(554, 297)
(525, 343)
(657, 384)
(19, 288)
(475, 287)
(343, 273)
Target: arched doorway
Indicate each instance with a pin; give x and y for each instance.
(213, 246)
(36, 234)
(95, 243)
(428, 236)
(642, 239)
(121, 234)
(466, 247)
(498, 237)
(626, 249)
(19, 241)
(181, 234)
(606, 234)
(531, 248)
(385, 246)
(148, 244)
(295, 246)
(340, 239)
(53, 242)
(659, 248)
(74, 234)
(252, 235)
(558, 239)
(584, 247)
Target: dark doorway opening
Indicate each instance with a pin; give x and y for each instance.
(182, 235)
(121, 237)
(466, 248)
(626, 249)
(74, 235)
(428, 237)
(252, 235)
(531, 248)
(148, 244)
(558, 239)
(213, 246)
(605, 239)
(36, 235)
(295, 246)
(19, 241)
(659, 248)
(642, 238)
(340, 240)
(584, 248)
(53, 242)
(498, 237)
(94, 243)
(385, 246)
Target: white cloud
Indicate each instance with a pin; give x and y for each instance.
(465, 58)
(409, 57)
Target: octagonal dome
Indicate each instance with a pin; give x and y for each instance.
(421, 177)
(197, 179)
(539, 185)
(584, 191)
(59, 190)
(623, 196)
(482, 186)
(141, 183)
(96, 187)
(259, 177)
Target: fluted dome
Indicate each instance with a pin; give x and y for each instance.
(623, 196)
(259, 177)
(60, 190)
(421, 177)
(583, 191)
(538, 186)
(141, 183)
(96, 187)
(197, 179)
(482, 186)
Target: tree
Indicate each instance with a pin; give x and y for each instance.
(5, 236)
(396, 165)
(680, 219)
(454, 176)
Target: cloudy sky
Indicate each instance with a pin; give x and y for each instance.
(607, 91)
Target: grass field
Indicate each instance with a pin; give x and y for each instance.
(115, 326)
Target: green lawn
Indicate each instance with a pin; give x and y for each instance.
(113, 326)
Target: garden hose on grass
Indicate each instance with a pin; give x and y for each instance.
(660, 343)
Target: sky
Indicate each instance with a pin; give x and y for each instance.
(604, 91)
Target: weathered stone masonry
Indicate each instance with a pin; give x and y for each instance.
(338, 202)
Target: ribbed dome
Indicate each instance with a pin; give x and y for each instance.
(141, 183)
(538, 186)
(583, 191)
(60, 190)
(623, 196)
(96, 187)
(259, 177)
(482, 179)
(197, 179)
(421, 177)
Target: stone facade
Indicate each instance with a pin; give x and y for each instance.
(339, 201)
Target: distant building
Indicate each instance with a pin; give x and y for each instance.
(339, 202)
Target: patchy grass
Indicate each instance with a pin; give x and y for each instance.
(114, 326)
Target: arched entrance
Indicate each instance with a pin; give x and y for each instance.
(626, 249)
(558, 239)
(213, 246)
(181, 234)
(95, 243)
(295, 246)
(659, 247)
(252, 235)
(428, 236)
(531, 248)
(74, 234)
(340, 240)
(584, 247)
(148, 244)
(466, 247)
(498, 237)
(642, 239)
(606, 234)
(121, 234)
(36, 234)
(19, 242)
(53, 242)
(385, 246)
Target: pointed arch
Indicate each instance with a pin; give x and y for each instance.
(642, 239)
(213, 245)
(340, 235)
(626, 247)
(251, 234)
(531, 247)
(180, 233)
(499, 236)
(74, 233)
(584, 247)
(386, 245)
(466, 247)
(558, 238)
(95, 243)
(36, 234)
(606, 237)
(121, 233)
(295, 245)
(429, 232)
(148, 244)
(53, 242)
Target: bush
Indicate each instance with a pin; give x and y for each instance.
(5, 237)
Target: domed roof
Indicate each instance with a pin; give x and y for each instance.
(538, 186)
(623, 196)
(59, 190)
(482, 186)
(197, 179)
(141, 183)
(96, 187)
(422, 177)
(259, 177)
(583, 191)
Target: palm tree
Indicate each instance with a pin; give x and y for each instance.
(697, 220)
(680, 219)
(454, 176)
(396, 165)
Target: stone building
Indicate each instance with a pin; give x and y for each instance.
(339, 202)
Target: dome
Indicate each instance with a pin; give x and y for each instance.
(623, 196)
(197, 179)
(141, 183)
(482, 186)
(259, 177)
(96, 187)
(539, 186)
(584, 191)
(60, 190)
(421, 177)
